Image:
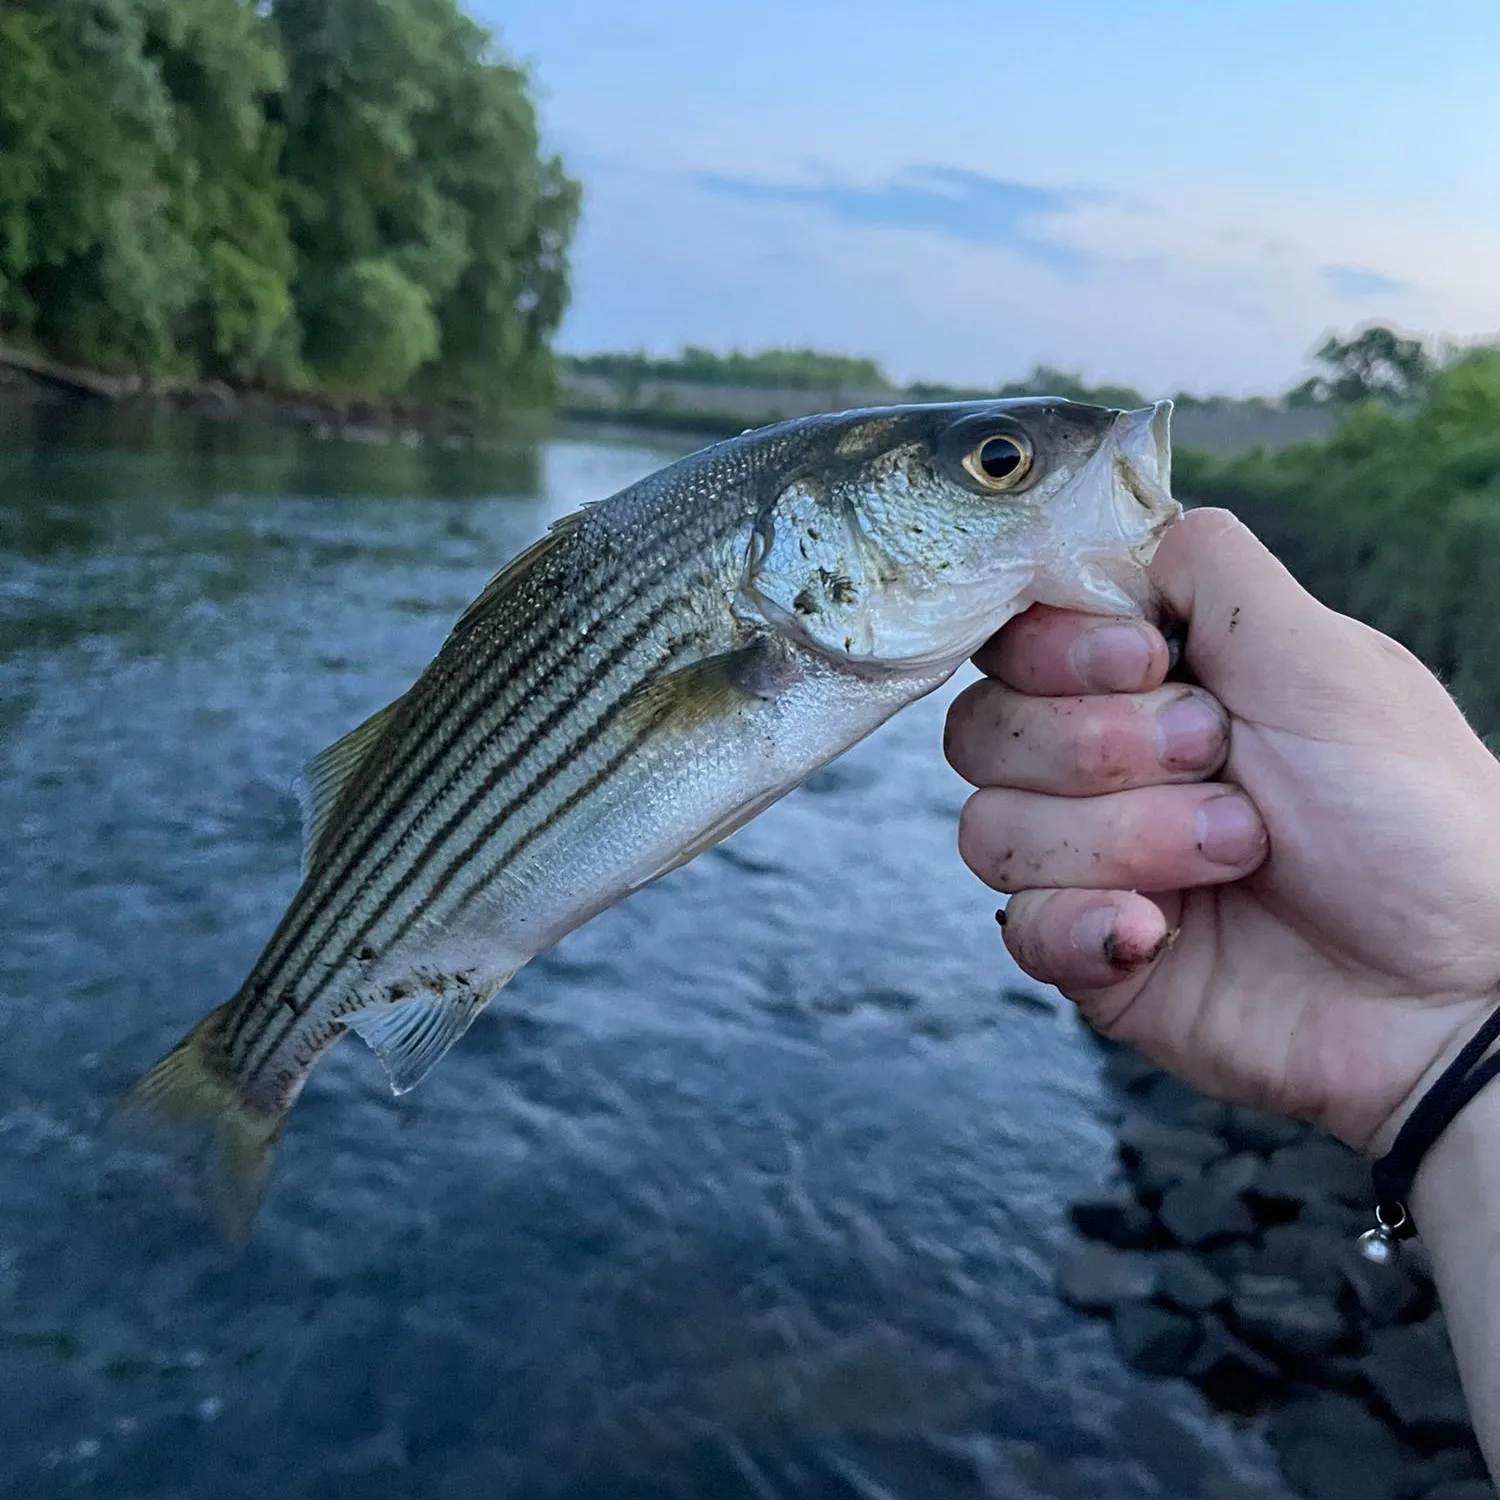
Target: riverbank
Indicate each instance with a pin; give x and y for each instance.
(1227, 1258)
(31, 383)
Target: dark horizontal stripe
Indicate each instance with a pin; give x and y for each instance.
(320, 905)
(408, 772)
(535, 788)
(418, 754)
(601, 727)
(441, 724)
(248, 1041)
(574, 799)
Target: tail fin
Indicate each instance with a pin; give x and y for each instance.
(193, 1086)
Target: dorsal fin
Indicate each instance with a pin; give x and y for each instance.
(499, 587)
(326, 775)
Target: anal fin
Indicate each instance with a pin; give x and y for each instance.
(411, 1036)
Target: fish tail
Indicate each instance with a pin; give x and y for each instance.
(193, 1092)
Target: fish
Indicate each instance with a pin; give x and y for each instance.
(655, 671)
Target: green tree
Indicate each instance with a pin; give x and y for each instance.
(348, 193)
(138, 199)
(1377, 364)
(1046, 380)
(376, 326)
(410, 143)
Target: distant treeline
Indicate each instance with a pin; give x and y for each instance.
(1395, 518)
(791, 369)
(1376, 362)
(344, 195)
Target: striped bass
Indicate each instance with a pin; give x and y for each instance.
(659, 668)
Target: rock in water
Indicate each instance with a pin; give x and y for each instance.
(1184, 1282)
(1199, 1213)
(1231, 1374)
(1121, 1222)
(1097, 1278)
(1274, 1313)
(1154, 1339)
(1158, 1156)
(1331, 1448)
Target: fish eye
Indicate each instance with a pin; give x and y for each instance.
(999, 462)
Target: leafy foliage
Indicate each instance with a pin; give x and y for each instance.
(1377, 364)
(1395, 519)
(346, 193)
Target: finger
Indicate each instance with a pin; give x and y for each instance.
(1081, 747)
(1053, 652)
(1159, 838)
(1084, 941)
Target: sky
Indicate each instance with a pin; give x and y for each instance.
(1182, 195)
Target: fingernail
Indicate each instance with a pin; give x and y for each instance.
(1190, 733)
(1228, 831)
(1094, 933)
(1112, 658)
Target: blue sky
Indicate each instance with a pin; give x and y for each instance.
(1185, 194)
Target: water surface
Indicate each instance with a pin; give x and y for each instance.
(752, 1188)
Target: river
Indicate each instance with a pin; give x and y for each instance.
(752, 1188)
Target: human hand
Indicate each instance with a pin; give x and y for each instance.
(1317, 929)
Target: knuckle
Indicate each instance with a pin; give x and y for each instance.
(1101, 1012)
(1024, 938)
(1102, 750)
(1138, 839)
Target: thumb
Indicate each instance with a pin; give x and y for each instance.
(1262, 644)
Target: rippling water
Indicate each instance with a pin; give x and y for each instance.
(752, 1188)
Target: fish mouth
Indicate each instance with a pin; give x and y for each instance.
(1121, 502)
(1142, 445)
(1142, 441)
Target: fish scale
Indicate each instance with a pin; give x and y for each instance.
(497, 724)
(494, 653)
(657, 670)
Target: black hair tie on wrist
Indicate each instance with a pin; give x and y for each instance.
(1393, 1173)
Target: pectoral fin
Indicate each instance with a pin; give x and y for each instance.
(715, 688)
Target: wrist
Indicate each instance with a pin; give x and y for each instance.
(1429, 1121)
(1475, 1014)
(1455, 1204)
(1462, 1168)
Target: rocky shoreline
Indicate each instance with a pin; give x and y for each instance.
(1227, 1258)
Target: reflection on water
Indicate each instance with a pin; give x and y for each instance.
(752, 1188)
